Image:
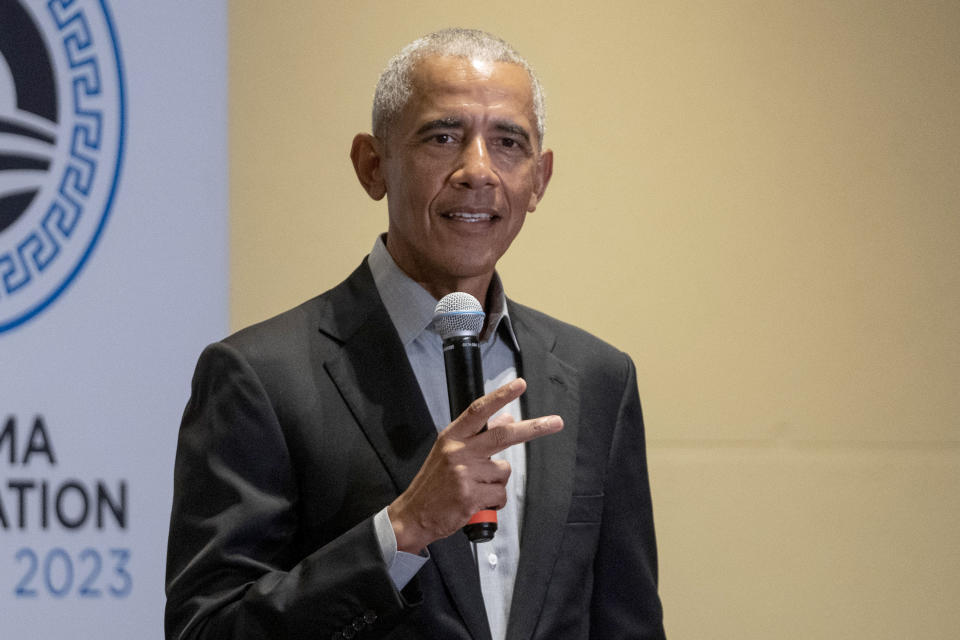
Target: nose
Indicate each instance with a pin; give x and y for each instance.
(475, 170)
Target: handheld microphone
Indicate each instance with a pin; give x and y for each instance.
(458, 319)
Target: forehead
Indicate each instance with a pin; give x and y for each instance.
(445, 82)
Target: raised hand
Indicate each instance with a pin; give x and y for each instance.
(458, 478)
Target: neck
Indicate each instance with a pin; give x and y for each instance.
(438, 283)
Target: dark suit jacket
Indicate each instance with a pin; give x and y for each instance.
(301, 428)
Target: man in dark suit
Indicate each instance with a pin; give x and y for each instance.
(314, 497)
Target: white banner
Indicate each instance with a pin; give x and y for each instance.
(113, 275)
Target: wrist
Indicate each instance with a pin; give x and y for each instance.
(409, 537)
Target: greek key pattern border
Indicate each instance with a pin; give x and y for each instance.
(42, 245)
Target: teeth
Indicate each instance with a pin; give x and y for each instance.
(470, 217)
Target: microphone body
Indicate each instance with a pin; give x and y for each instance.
(458, 319)
(464, 368)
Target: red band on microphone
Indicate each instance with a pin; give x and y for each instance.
(486, 515)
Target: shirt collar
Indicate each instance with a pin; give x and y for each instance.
(411, 307)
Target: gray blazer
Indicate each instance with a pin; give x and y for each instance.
(300, 428)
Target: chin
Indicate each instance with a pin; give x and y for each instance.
(467, 266)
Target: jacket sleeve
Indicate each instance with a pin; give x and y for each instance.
(235, 564)
(625, 603)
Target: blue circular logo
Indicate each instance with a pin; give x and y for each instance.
(61, 146)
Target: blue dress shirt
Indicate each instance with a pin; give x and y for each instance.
(411, 310)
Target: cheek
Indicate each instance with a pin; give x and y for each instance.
(422, 187)
(524, 188)
(524, 193)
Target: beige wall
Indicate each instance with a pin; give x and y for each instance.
(759, 201)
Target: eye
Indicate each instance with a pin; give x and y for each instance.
(442, 138)
(512, 145)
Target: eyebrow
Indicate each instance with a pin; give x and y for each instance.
(440, 123)
(515, 129)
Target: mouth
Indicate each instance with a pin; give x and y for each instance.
(470, 216)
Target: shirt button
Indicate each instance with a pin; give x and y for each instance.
(492, 559)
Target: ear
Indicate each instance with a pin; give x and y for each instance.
(544, 170)
(366, 154)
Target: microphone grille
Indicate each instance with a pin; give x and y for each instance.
(458, 314)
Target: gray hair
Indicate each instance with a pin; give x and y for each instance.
(394, 87)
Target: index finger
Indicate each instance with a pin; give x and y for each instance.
(475, 417)
(500, 437)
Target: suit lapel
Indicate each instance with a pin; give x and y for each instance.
(552, 388)
(376, 381)
(385, 400)
(374, 377)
